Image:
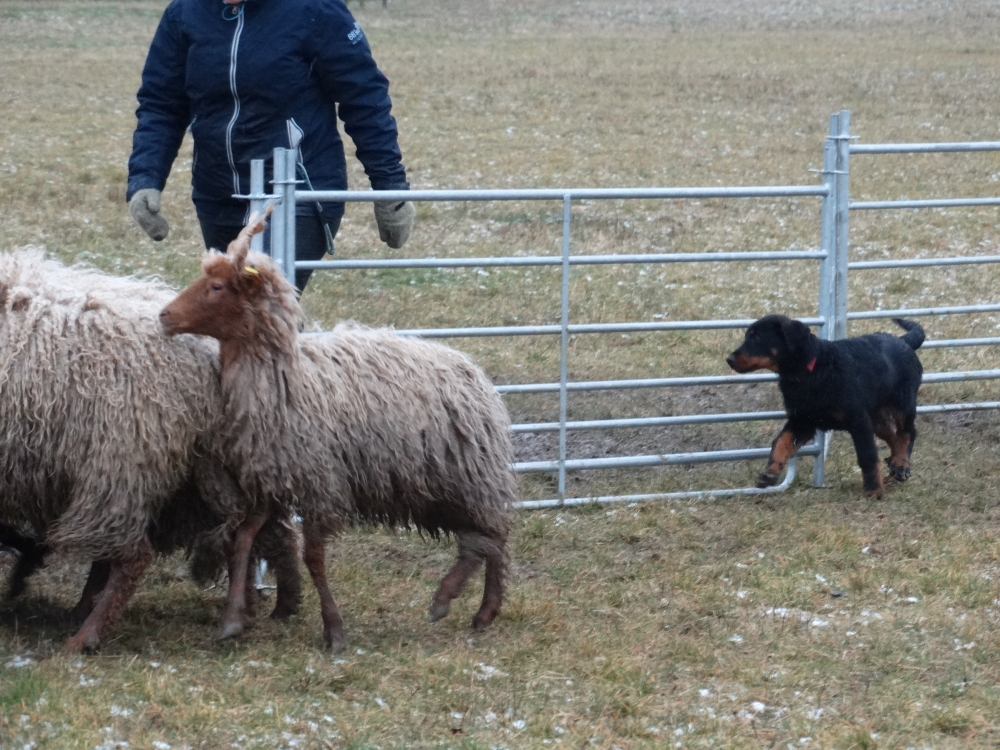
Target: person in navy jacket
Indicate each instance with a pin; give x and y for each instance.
(247, 76)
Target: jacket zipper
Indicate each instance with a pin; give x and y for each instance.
(236, 104)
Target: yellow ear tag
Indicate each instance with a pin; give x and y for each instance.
(251, 270)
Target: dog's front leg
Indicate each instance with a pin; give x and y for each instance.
(786, 445)
(864, 446)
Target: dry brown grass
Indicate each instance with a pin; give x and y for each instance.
(701, 625)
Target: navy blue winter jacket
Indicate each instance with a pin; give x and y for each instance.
(249, 78)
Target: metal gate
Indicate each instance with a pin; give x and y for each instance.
(840, 130)
(831, 284)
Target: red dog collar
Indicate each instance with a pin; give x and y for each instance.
(811, 365)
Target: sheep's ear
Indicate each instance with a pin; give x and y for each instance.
(251, 275)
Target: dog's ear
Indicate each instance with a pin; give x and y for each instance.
(797, 335)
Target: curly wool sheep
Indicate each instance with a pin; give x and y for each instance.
(359, 425)
(101, 420)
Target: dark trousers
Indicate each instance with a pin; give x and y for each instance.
(310, 240)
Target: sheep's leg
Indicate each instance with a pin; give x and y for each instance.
(289, 585)
(470, 556)
(496, 569)
(251, 596)
(122, 581)
(100, 571)
(234, 616)
(314, 554)
(278, 544)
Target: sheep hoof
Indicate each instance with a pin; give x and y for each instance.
(284, 610)
(336, 644)
(81, 644)
(483, 620)
(228, 630)
(437, 611)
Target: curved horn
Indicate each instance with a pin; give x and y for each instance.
(238, 248)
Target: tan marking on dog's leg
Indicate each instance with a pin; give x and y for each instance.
(782, 449)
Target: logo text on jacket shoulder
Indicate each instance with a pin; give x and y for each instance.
(356, 34)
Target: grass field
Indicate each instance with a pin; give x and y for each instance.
(814, 619)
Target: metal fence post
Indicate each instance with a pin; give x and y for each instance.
(843, 136)
(827, 274)
(564, 349)
(257, 199)
(291, 178)
(278, 215)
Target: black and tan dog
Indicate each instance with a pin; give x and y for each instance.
(865, 385)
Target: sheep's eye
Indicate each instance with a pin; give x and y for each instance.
(216, 287)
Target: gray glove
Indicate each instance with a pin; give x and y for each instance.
(145, 209)
(395, 221)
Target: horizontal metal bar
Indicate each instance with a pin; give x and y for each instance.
(950, 343)
(608, 385)
(671, 325)
(667, 459)
(550, 194)
(959, 376)
(686, 495)
(704, 380)
(972, 406)
(921, 262)
(614, 424)
(759, 416)
(553, 260)
(923, 148)
(578, 328)
(921, 311)
(944, 203)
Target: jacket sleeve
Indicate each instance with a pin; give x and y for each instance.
(164, 111)
(348, 75)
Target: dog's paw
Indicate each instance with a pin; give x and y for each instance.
(872, 488)
(899, 473)
(766, 479)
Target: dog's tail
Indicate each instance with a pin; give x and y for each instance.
(914, 336)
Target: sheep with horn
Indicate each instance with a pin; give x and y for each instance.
(359, 425)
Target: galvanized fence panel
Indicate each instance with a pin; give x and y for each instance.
(831, 320)
(842, 125)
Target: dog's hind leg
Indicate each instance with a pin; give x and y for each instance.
(786, 445)
(908, 433)
(864, 446)
(899, 437)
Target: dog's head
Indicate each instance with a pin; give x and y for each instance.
(774, 343)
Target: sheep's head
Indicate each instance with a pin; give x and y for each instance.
(233, 297)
